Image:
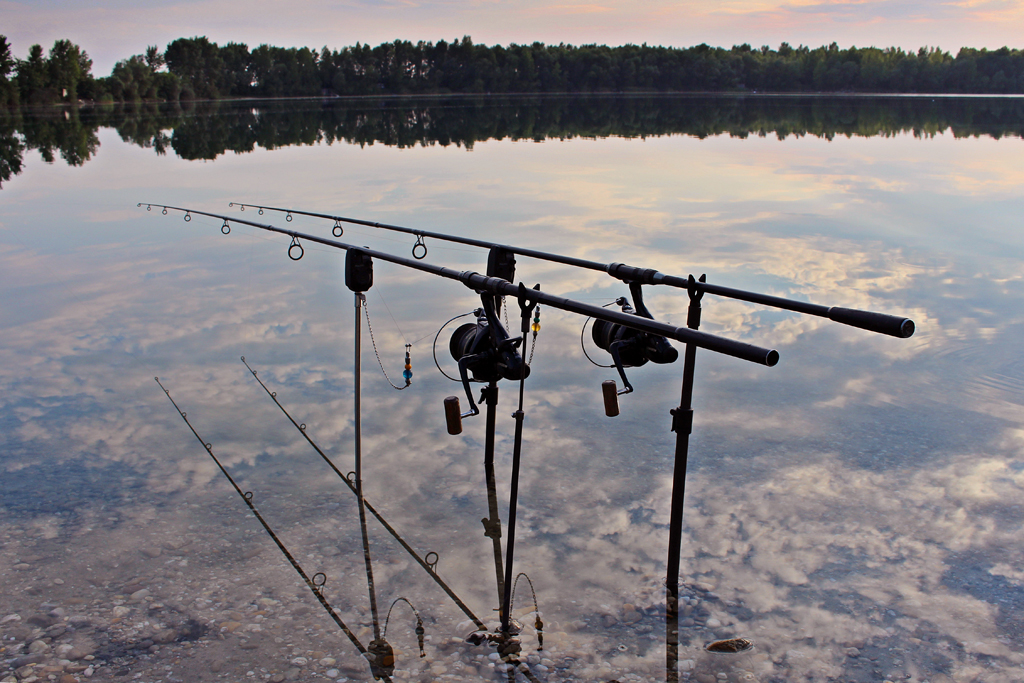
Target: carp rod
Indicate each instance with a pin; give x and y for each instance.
(495, 285)
(894, 326)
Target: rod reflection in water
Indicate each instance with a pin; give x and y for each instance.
(430, 568)
(316, 583)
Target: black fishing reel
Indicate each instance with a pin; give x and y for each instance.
(629, 348)
(484, 350)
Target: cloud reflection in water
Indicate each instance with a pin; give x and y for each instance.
(859, 495)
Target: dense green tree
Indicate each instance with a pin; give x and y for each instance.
(33, 77)
(199, 68)
(8, 90)
(198, 63)
(68, 65)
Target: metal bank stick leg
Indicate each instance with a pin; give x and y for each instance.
(682, 425)
(360, 299)
(492, 523)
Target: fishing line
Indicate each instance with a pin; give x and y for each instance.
(420, 631)
(538, 625)
(583, 331)
(315, 584)
(388, 309)
(430, 567)
(436, 336)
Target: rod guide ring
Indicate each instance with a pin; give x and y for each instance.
(416, 254)
(292, 247)
(432, 563)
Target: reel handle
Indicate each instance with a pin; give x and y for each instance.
(611, 397)
(453, 415)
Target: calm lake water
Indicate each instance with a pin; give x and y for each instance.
(854, 511)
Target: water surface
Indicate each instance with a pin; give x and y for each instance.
(854, 511)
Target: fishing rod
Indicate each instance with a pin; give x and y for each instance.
(317, 582)
(631, 336)
(429, 567)
(494, 285)
(493, 357)
(894, 326)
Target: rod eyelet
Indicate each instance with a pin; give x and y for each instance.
(416, 254)
(432, 563)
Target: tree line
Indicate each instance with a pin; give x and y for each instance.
(206, 130)
(196, 68)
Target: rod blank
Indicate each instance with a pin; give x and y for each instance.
(483, 283)
(894, 326)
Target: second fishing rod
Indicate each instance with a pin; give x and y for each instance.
(892, 325)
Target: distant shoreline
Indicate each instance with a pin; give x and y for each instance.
(88, 104)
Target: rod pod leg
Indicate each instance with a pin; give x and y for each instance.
(492, 523)
(682, 425)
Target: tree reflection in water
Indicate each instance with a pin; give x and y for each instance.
(206, 130)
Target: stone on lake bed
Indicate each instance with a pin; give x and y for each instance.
(38, 647)
(25, 660)
(631, 617)
(164, 636)
(80, 652)
(139, 595)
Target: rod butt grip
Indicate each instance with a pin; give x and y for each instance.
(611, 397)
(453, 415)
(892, 325)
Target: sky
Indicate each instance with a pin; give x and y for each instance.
(110, 30)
